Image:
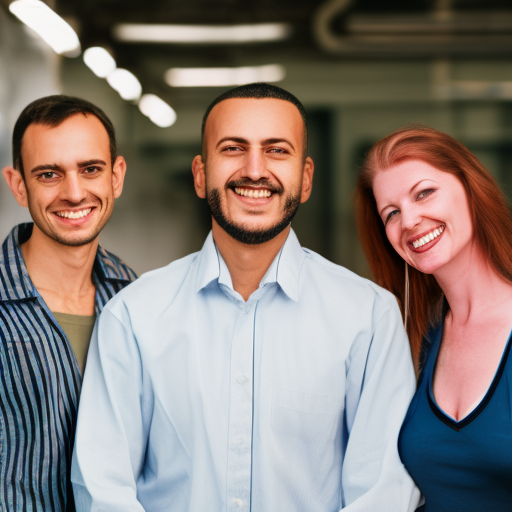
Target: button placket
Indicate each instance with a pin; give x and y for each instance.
(240, 411)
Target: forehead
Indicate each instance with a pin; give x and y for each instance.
(79, 134)
(254, 119)
(399, 179)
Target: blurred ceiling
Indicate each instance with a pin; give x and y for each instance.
(327, 30)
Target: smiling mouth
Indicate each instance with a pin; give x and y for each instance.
(76, 214)
(252, 192)
(428, 237)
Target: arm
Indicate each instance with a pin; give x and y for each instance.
(380, 385)
(111, 435)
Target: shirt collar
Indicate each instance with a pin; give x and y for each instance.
(108, 267)
(285, 268)
(15, 283)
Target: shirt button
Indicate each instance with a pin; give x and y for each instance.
(242, 380)
(239, 502)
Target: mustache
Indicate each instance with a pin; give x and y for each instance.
(262, 182)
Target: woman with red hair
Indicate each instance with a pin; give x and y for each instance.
(437, 232)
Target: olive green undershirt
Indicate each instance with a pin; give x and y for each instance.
(78, 329)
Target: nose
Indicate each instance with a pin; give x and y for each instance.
(410, 217)
(254, 166)
(72, 188)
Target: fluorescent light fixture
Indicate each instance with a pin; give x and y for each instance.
(220, 77)
(221, 34)
(48, 24)
(99, 61)
(125, 83)
(157, 110)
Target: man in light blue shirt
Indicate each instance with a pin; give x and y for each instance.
(253, 375)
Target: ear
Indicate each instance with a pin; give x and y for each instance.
(17, 185)
(307, 180)
(199, 176)
(118, 174)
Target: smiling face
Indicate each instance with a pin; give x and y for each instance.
(426, 215)
(255, 176)
(70, 183)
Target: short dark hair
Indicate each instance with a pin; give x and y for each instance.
(52, 111)
(259, 90)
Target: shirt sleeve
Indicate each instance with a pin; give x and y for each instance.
(111, 434)
(380, 385)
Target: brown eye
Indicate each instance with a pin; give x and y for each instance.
(425, 193)
(47, 175)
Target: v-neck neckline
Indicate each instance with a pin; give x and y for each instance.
(474, 413)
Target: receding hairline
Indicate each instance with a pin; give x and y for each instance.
(52, 111)
(51, 126)
(297, 109)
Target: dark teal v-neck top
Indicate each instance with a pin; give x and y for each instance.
(461, 465)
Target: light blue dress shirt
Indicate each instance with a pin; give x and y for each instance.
(194, 400)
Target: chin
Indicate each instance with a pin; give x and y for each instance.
(428, 268)
(76, 239)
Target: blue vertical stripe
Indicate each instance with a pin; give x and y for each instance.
(39, 383)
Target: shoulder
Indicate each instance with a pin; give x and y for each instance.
(345, 285)
(158, 286)
(119, 266)
(429, 344)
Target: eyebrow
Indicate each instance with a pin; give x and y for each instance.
(410, 191)
(57, 167)
(266, 142)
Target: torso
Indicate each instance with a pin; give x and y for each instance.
(78, 304)
(468, 358)
(460, 453)
(78, 329)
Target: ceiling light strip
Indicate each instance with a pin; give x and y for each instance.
(222, 77)
(220, 34)
(99, 61)
(125, 83)
(157, 110)
(48, 25)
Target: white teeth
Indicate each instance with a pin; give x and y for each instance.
(75, 214)
(253, 192)
(428, 237)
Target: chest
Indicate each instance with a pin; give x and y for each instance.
(464, 465)
(466, 365)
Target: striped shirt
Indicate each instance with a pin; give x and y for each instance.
(39, 382)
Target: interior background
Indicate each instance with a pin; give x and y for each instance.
(362, 68)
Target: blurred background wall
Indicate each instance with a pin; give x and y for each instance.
(362, 69)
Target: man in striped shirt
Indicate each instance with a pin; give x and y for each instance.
(54, 280)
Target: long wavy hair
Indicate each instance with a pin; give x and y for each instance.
(490, 215)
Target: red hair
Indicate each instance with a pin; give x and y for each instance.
(490, 215)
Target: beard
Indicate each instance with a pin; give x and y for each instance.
(240, 232)
(68, 240)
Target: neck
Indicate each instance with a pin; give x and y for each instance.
(474, 289)
(246, 263)
(61, 274)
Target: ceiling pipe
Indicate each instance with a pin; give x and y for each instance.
(322, 26)
(441, 32)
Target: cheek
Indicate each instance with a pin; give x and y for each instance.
(40, 198)
(395, 239)
(103, 188)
